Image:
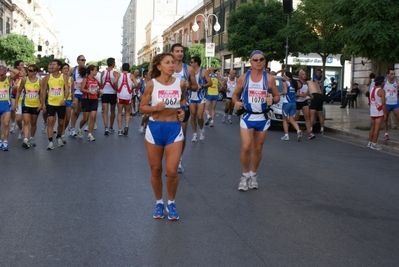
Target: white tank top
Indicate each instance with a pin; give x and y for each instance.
(194, 95)
(125, 87)
(256, 95)
(179, 75)
(107, 81)
(391, 93)
(231, 85)
(375, 103)
(303, 89)
(78, 82)
(170, 94)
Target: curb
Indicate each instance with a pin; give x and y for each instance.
(381, 141)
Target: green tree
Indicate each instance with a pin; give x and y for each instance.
(16, 47)
(97, 62)
(44, 61)
(313, 28)
(199, 50)
(370, 29)
(256, 26)
(142, 66)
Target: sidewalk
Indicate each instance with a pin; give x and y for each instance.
(346, 120)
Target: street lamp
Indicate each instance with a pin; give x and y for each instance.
(216, 27)
(47, 43)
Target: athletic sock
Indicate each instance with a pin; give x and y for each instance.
(252, 174)
(171, 201)
(246, 174)
(160, 201)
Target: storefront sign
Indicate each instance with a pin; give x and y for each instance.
(209, 49)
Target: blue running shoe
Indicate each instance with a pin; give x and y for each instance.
(180, 168)
(173, 215)
(5, 146)
(1, 145)
(158, 214)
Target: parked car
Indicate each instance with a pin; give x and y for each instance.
(276, 112)
(222, 95)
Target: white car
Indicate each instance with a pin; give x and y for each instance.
(276, 110)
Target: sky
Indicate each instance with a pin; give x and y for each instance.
(93, 28)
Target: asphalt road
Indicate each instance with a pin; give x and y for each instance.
(321, 202)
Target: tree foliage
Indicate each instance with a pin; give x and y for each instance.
(141, 67)
(199, 50)
(16, 47)
(97, 63)
(313, 28)
(256, 26)
(370, 28)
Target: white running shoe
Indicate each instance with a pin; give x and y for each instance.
(299, 136)
(86, 128)
(50, 146)
(285, 138)
(195, 138)
(90, 137)
(253, 183)
(376, 147)
(19, 135)
(59, 142)
(243, 185)
(202, 136)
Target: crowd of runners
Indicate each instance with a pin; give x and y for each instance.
(166, 95)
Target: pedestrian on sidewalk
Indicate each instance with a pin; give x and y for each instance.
(378, 111)
(391, 98)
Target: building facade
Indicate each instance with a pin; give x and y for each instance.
(181, 30)
(33, 19)
(6, 10)
(135, 21)
(46, 39)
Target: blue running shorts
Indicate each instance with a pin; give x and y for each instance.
(257, 125)
(5, 106)
(212, 97)
(163, 133)
(78, 96)
(392, 107)
(289, 109)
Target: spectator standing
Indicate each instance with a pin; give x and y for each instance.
(378, 112)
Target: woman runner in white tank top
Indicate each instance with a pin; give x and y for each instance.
(164, 132)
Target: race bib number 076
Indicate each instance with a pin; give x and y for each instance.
(257, 96)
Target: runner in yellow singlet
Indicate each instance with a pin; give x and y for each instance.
(29, 94)
(58, 92)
